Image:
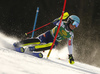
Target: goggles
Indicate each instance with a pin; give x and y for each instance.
(75, 23)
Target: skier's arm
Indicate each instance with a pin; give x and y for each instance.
(70, 48)
(70, 45)
(65, 16)
(56, 21)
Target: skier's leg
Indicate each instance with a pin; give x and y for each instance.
(27, 42)
(44, 38)
(41, 47)
(47, 38)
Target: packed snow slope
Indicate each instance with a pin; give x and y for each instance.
(12, 62)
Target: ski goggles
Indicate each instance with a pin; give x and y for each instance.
(75, 23)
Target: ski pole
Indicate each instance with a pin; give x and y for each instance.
(35, 20)
(37, 28)
(57, 29)
(66, 14)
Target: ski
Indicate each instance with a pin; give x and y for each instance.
(30, 41)
(22, 50)
(37, 54)
(19, 49)
(19, 46)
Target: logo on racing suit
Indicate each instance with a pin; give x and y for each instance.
(64, 33)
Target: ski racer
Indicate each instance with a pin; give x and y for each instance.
(65, 31)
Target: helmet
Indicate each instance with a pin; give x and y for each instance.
(74, 20)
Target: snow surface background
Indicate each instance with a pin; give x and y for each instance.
(12, 62)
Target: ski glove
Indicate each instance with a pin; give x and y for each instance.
(65, 16)
(71, 59)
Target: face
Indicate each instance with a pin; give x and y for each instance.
(72, 27)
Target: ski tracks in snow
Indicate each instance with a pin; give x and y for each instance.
(12, 62)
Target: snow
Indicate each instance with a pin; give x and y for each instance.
(12, 62)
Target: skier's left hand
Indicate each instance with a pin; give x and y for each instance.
(71, 59)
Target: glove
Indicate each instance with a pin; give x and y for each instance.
(65, 15)
(71, 59)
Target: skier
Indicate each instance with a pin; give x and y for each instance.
(65, 31)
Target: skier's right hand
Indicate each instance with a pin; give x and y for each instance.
(71, 59)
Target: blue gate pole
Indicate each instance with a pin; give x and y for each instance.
(35, 21)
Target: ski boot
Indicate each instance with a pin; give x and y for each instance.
(20, 49)
(32, 48)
